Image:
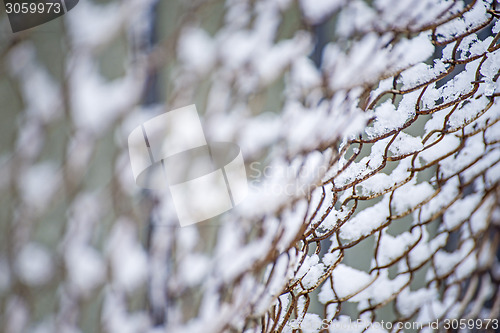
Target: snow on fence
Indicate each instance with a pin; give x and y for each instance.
(373, 169)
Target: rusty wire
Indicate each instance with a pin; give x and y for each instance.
(485, 242)
(350, 198)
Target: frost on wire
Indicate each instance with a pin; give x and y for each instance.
(375, 164)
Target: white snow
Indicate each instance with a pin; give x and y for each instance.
(410, 195)
(128, 259)
(405, 144)
(85, 268)
(317, 10)
(34, 264)
(366, 220)
(39, 184)
(347, 281)
(196, 50)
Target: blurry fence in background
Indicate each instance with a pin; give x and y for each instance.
(372, 155)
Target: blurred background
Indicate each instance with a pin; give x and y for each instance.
(83, 249)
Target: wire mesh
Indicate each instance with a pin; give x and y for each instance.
(400, 221)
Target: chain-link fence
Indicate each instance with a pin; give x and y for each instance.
(370, 132)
